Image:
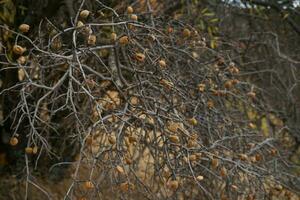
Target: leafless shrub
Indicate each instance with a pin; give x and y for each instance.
(138, 108)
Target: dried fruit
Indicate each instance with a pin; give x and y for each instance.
(167, 84)
(13, 141)
(86, 31)
(243, 157)
(185, 159)
(220, 61)
(193, 121)
(210, 104)
(131, 27)
(192, 143)
(186, 32)
(250, 197)
(223, 172)
(24, 28)
(132, 139)
(92, 40)
(252, 125)
(126, 186)
(56, 44)
(273, 152)
(200, 178)
(150, 120)
(34, 150)
(17, 49)
(90, 83)
(195, 55)
(172, 126)
(21, 60)
(80, 24)
(124, 40)
(113, 36)
(174, 139)
(84, 14)
(235, 81)
(170, 30)
(234, 187)
(129, 10)
(258, 157)
(173, 184)
(112, 139)
(120, 170)
(201, 87)
(234, 70)
(253, 159)
(214, 163)
(103, 53)
(193, 157)
(140, 57)
(162, 64)
(28, 150)
(127, 160)
(152, 37)
(134, 100)
(134, 17)
(21, 74)
(228, 84)
(88, 185)
(251, 95)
